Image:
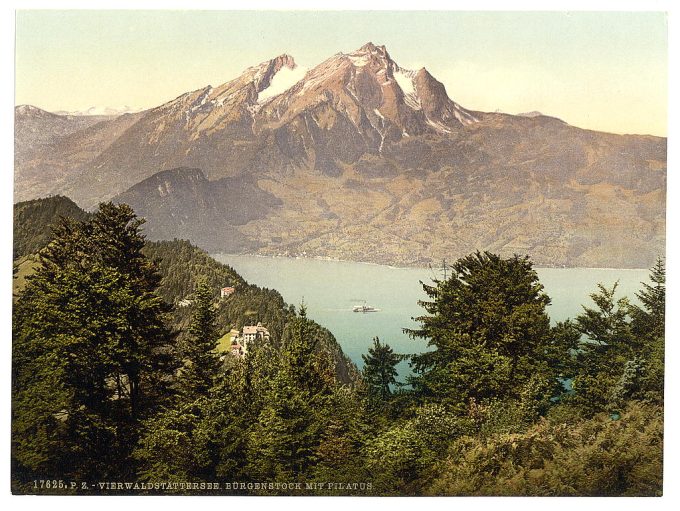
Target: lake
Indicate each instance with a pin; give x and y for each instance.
(331, 288)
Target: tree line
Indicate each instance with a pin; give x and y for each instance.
(108, 383)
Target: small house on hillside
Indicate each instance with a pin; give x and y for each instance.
(227, 291)
(237, 350)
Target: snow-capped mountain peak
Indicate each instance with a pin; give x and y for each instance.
(369, 52)
(102, 110)
(363, 93)
(264, 73)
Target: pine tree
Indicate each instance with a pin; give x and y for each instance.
(380, 371)
(285, 440)
(91, 351)
(649, 319)
(607, 344)
(607, 326)
(648, 325)
(202, 361)
(489, 329)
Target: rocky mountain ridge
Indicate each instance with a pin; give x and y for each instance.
(362, 159)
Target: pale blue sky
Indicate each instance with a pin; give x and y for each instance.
(598, 70)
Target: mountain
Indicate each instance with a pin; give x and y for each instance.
(34, 127)
(348, 106)
(182, 203)
(34, 220)
(363, 159)
(98, 111)
(51, 148)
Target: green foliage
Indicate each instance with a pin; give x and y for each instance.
(401, 457)
(488, 321)
(563, 349)
(395, 458)
(649, 319)
(651, 387)
(201, 360)
(607, 327)
(596, 457)
(516, 415)
(290, 425)
(648, 324)
(380, 371)
(182, 266)
(90, 324)
(621, 357)
(339, 455)
(34, 221)
(167, 450)
(104, 389)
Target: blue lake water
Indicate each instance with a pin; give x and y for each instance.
(331, 288)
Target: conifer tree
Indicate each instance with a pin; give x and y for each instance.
(380, 371)
(489, 329)
(606, 345)
(202, 361)
(91, 350)
(649, 319)
(285, 440)
(648, 325)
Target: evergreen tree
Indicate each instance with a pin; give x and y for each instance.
(202, 361)
(649, 319)
(489, 329)
(603, 352)
(285, 441)
(175, 445)
(380, 371)
(607, 326)
(648, 325)
(91, 351)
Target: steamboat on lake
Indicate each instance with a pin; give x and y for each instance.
(364, 308)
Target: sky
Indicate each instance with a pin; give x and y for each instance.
(599, 70)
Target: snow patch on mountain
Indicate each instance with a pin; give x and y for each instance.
(404, 79)
(281, 82)
(463, 116)
(359, 60)
(438, 126)
(101, 110)
(202, 99)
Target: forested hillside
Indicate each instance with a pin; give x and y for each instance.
(180, 266)
(104, 388)
(34, 219)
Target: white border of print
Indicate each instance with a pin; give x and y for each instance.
(671, 461)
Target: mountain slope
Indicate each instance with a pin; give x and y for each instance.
(365, 160)
(350, 105)
(180, 265)
(51, 149)
(36, 127)
(35, 219)
(182, 203)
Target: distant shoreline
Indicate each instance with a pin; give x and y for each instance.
(335, 260)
